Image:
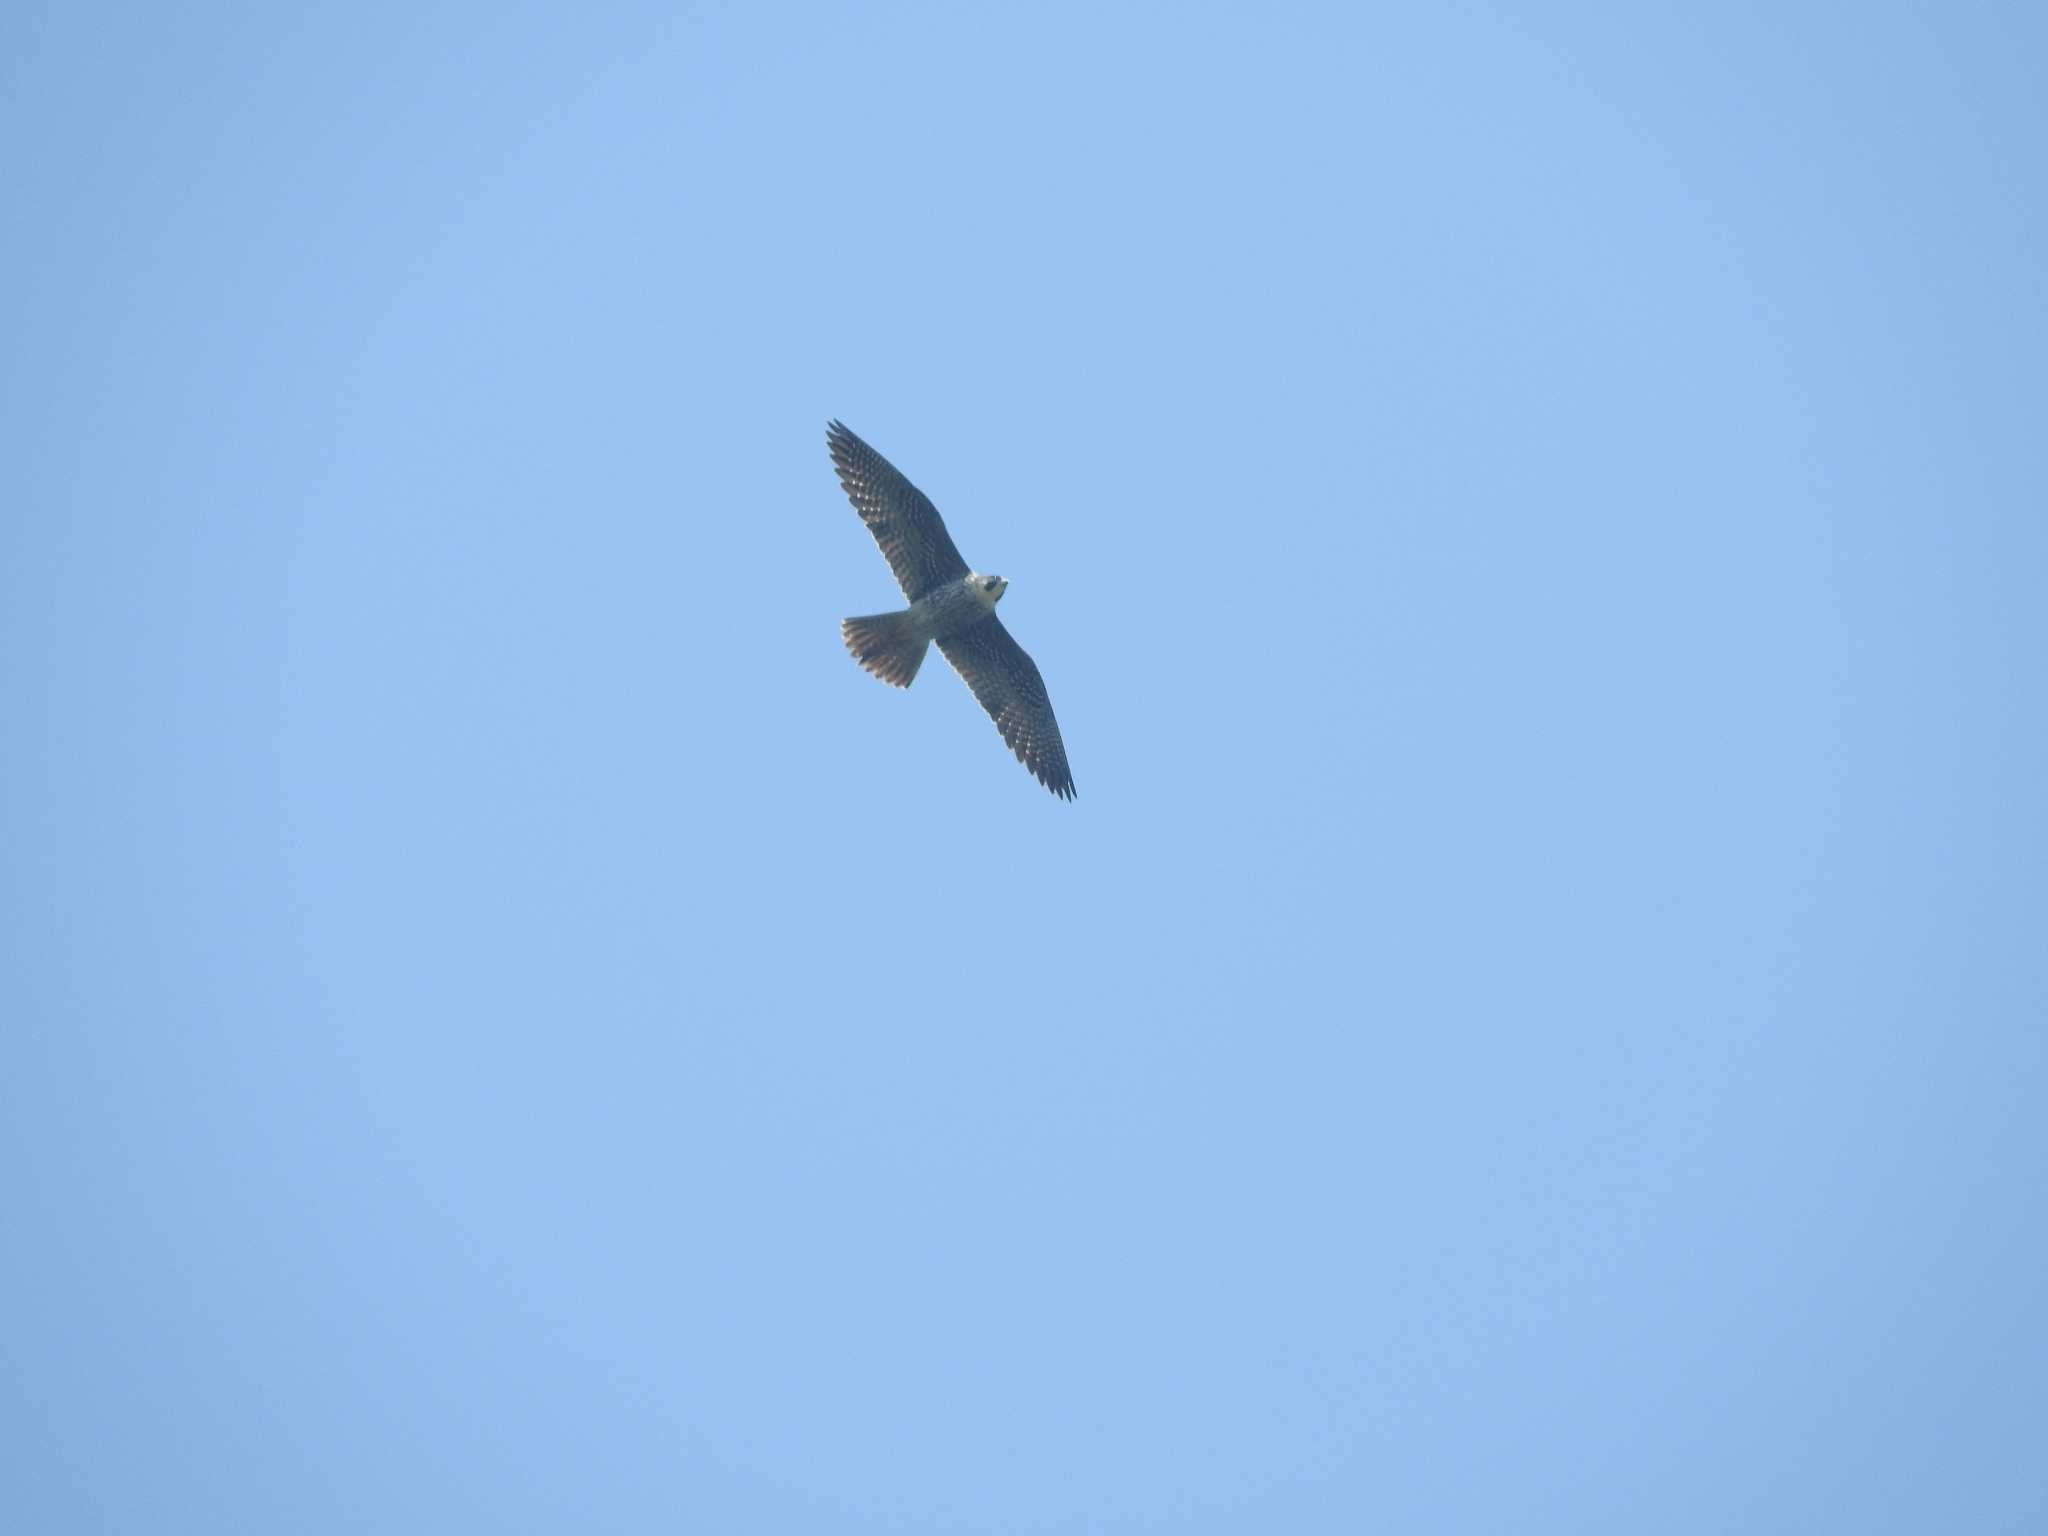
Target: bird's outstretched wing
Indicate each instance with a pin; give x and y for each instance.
(901, 517)
(1007, 683)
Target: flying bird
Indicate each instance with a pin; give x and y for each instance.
(949, 604)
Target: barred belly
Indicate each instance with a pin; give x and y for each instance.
(949, 609)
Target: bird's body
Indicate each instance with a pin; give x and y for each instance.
(949, 604)
(958, 605)
(892, 645)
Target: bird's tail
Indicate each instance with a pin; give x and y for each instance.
(887, 644)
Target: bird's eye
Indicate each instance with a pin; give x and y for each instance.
(989, 585)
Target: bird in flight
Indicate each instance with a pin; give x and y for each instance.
(949, 604)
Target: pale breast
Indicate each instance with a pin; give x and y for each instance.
(953, 607)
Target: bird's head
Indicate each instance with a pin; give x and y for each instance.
(989, 589)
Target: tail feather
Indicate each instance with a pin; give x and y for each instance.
(887, 645)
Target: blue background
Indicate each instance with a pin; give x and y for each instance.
(1533, 522)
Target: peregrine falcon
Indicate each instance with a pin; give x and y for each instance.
(949, 604)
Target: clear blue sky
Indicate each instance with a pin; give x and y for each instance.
(1534, 521)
